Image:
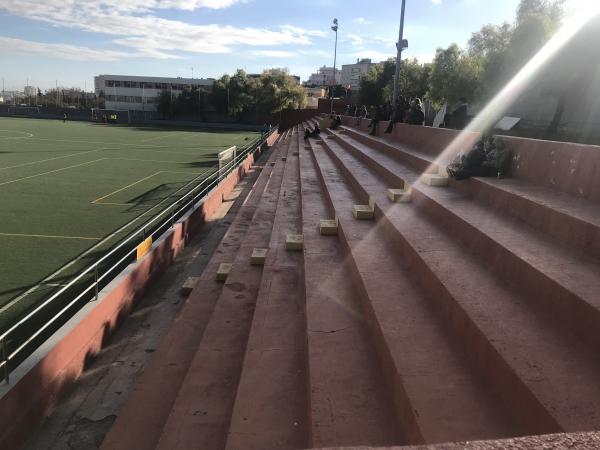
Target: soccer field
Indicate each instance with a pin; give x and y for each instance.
(67, 187)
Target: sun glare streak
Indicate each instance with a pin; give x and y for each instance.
(580, 12)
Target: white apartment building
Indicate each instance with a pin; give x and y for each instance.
(352, 73)
(141, 93)
(324, 77)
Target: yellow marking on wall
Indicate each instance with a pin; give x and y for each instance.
(47, 236)
(144, 248)
(51, 171)
(126, 187)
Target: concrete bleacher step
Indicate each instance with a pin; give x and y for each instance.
(569, 219)
(347, 397)
(529, 359)
(141, 419)
(202, 408)
(414, 347)
(564, 281)
(270, 404)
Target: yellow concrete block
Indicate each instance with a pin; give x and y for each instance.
(328, 227)
(294, 242)
(435, 180)
(259, 256)
(223, 271)
(363, 212)
(189, 286)
(399, 195)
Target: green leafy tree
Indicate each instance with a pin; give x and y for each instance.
(454, 75)
(373, 84)
(165, 104)
(277, 90)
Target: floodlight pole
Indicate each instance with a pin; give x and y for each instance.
(334, 28)
(399, 46)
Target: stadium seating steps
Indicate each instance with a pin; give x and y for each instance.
(461, 313)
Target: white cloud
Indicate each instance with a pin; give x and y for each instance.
(274, 53)
(67, 51)
(136, 25)
(436, 2)
(362, 21)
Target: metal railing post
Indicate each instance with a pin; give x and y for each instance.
(96, 281)
(3, 343)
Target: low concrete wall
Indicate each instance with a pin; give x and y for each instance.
(564, 166)
(38, 382)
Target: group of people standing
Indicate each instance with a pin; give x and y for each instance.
(406, 111)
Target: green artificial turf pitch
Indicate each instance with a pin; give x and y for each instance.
(64, 187)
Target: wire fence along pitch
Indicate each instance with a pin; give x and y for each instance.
(123, 253)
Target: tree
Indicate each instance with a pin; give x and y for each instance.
(165, 103)
(454, 75)
(277, 90)
(373, 84)
(414, 80)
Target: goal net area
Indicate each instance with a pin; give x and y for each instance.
(111, 115)
(225, 158)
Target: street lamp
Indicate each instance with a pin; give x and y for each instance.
(400, 45)
(334, 27)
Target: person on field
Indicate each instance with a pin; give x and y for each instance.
(64, 117)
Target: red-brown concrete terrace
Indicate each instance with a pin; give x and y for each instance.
(578, 441)
(33, 393)
(469, 314)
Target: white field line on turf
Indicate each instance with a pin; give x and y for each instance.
(28, 135)
(78, 141)
(99, 200)
(49, 236)
(126, 187)
(87, 252)
(52, 171)
(52, 159)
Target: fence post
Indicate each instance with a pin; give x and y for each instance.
(5, 359)
(96, 280)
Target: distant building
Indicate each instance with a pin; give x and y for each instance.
(352, 73)
(141, 93)
(30, 91)
(313, 94)
(324, 77)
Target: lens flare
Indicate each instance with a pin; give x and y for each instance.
(579, 13)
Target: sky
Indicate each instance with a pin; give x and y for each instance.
(68, 42)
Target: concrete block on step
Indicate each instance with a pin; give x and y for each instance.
(363, 212)
(272, 164)
(294, 242)
(259, 256)
(189, 286)
(400, 195)
(223, 271)
(435, 180)
(284, 159)
(329, 227)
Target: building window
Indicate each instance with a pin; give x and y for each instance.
(109, 83)
(126, 84)
(117, 83)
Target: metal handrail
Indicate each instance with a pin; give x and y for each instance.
(207, 185)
